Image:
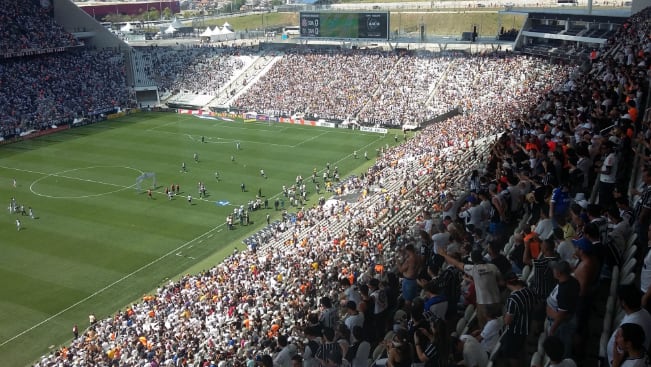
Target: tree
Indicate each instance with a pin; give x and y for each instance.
(167, 13)
(154, 14)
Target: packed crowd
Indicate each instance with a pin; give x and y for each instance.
(409, 87)
(204, 69)
(44, 90)
(26, 25)
(440, 227)
(330, 85)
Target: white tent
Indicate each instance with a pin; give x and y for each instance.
(170, 30)
(216, 31)
(228, 34)
(227, 26)
(126, 28)
(223, 35)
(206, 33)
(177, 24)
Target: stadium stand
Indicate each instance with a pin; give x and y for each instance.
(28, 28)
(48, 77)
(527, 127)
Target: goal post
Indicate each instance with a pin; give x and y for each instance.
(145, 177)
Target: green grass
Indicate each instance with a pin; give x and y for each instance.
(98, 244)
(447, 22)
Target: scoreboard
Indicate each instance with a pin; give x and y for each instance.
(369, 25)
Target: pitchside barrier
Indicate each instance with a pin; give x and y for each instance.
(253, 117)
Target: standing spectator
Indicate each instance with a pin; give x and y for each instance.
(330, 351)
(409, 268)
(313, 334)
(561, 305)
(328, 317)
(645, 276)
(449, 282)
(358, 353)
(381, 305)
(435, 303)
(353, 317)
(486, 278)
(559, 205)
(587, 274)
(543, 280)
(608, 176)
(642, 212)
(288, 350)
(518, 308)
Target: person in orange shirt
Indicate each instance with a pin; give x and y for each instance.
(532, 244)
(632, 110)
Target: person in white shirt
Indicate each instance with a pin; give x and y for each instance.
(490, 334)
(353, 317)
(628, 350)
(472, 352)
(630, 301)
(608, 175)
(486, 278)
(284, 357)
(645, 277)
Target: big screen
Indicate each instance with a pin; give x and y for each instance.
(373, 25)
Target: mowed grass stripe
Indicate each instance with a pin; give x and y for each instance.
(119, 246)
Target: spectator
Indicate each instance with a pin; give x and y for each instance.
(519, 306)
(561, 305)
(486, 278)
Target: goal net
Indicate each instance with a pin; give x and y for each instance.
(145, 178)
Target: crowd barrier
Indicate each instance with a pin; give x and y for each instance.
(253, 116)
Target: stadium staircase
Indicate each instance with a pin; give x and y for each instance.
(251, 75)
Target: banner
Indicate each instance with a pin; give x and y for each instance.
(115, 115)
(379, 130)
(35, 134)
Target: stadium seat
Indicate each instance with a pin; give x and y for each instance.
(631, 240)
(614, 281)
(628, 267)
(461, 325)
(629, 253)
(469, 312)
(628, 279)
(536, 359)
(608, 322)
(525, 272)
(610, 305)
(495, 350)
(541, 340)
(603, 344)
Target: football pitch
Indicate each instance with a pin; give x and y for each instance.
(97, 244)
